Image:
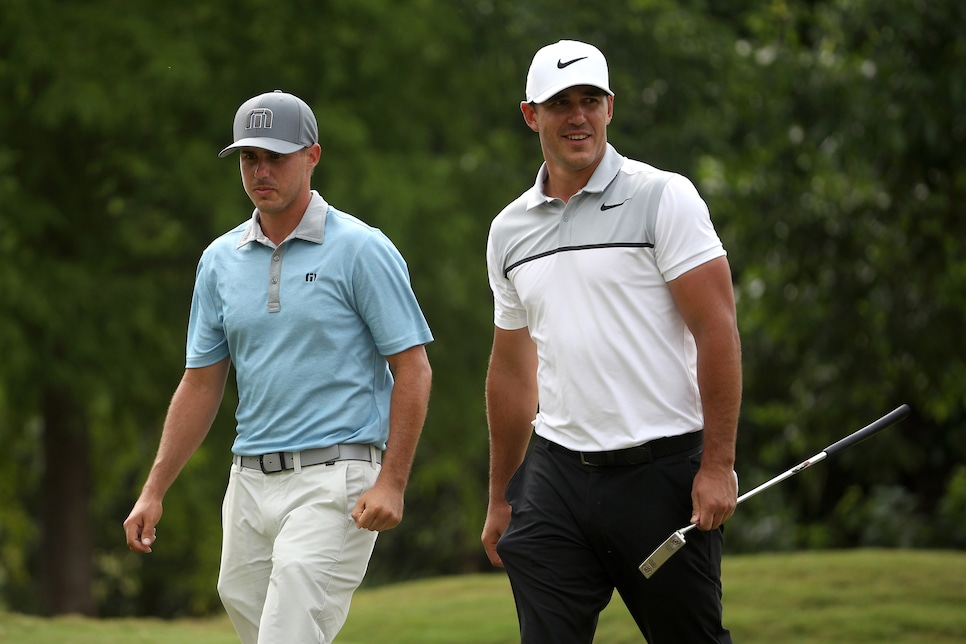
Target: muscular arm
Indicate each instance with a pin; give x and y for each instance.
(190, 414)
(381, 507)
(705, 298)
(511, 403)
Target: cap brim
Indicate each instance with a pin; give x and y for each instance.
(272, 145)
(556, 89)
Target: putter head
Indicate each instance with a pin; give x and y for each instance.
(664, 551)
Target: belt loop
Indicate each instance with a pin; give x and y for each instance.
(373, 452)
(297, 461)
(236, 462)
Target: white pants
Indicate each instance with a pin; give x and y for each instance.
(291, 554)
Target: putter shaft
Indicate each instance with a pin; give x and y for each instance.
(676, 541)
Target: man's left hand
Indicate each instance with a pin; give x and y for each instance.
(378, 509)
(714, 496)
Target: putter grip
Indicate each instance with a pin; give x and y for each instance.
(888, 420)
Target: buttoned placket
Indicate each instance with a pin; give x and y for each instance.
(568, 211)
(275, 279)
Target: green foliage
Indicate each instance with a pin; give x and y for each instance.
(845, 268)
(825, 137)
(952, 511)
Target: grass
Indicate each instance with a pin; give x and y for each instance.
(856, 596)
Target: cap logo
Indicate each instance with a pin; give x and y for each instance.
(561, 64)
(259, 118)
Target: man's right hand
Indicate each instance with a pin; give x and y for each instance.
(497, 519)
(140, 527)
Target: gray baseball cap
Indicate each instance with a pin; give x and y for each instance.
(274, 121)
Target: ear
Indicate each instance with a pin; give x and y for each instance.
(529, 115)
(610, 109)
(313, 154)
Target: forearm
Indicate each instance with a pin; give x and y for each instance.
(511, 404)
(509, 438)
(190, 415)
(719, 383)
(705, 300)
(407, 415)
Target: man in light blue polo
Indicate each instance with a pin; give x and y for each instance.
(316, 312)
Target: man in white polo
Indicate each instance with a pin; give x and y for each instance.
(616, 344)
(316, 312)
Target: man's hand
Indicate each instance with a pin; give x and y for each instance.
(497, 519)
(714, 496)
(141, 525)
(379, 508)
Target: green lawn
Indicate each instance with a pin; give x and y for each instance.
(895, 596)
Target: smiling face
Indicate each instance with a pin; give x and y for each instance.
(572, 126)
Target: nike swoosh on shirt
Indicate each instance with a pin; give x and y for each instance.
(605, 206)
(561, 64)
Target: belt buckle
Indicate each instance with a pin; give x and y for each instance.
(337, 457)
(271, 463)
(641, 455)
(584, 461)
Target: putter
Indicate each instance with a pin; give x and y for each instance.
(676, 541)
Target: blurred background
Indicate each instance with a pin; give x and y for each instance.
(826, 136)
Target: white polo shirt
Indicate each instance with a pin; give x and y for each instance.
(617, 364)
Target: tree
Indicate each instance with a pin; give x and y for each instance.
(840, 184)
(823, 135)
(88, 245)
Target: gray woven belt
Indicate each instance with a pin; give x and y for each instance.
(280, 461)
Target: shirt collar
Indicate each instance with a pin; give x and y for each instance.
(311, 227)
(608, 168)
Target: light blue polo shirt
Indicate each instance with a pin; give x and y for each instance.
(308, 326)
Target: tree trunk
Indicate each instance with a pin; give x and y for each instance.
(67, 542)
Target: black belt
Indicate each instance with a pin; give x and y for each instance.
(637, 455)
(279, 461)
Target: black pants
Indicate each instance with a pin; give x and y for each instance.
(577, 532)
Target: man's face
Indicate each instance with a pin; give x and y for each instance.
(572, 126)
(275, 181)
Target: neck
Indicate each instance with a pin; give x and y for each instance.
(278, 225)
(564, 184)
(568, 176)
(563, 188)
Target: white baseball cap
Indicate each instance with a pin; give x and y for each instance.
(275, 121)
(565, 64)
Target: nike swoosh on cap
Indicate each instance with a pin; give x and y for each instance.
(605, 206)
(561, 64)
